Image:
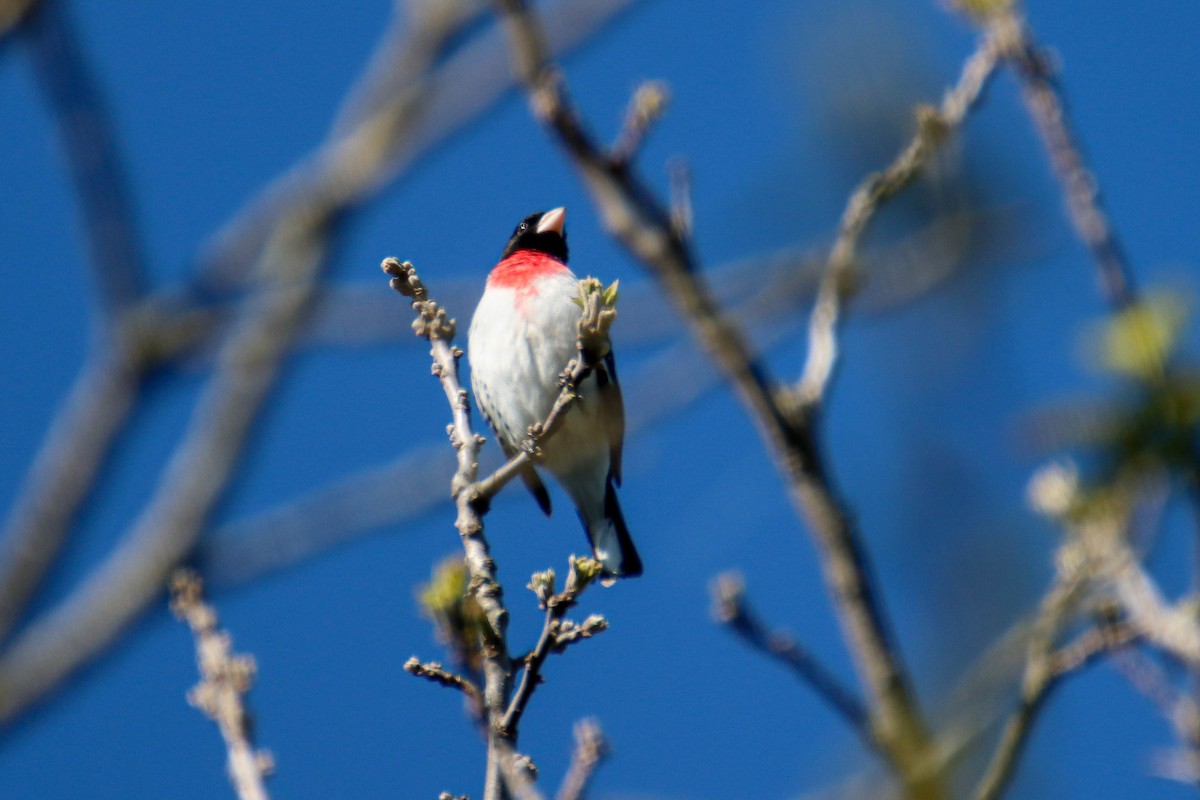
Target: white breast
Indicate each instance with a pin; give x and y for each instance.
(519, 343)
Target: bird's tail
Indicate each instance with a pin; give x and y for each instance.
(611, 543)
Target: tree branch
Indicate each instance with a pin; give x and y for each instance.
(1045, 105)
(590, 749)
(89, 145)
(935, 127)
(224, 679)
(63, 473)
(433, 324)
(631, 213)
(1045, 666)
(731, 609)
(435, 672)
(556, 632)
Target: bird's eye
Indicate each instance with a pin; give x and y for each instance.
(524, 226)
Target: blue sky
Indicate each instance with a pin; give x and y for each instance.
(924, 428)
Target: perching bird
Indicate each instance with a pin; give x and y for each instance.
(522, 336)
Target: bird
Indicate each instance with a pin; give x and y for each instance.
(522, 336)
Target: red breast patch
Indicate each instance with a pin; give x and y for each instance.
(522, 268)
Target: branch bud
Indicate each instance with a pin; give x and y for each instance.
(542, 585)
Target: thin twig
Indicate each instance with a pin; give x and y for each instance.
(731, 608)
(556, 632)
(435, 672)
(648, 104)
(1044, 102)
(591, 748)
(224, 680)
(1045, 666)
(935, 126)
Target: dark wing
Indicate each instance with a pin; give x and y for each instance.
(532, 482)
(612, 409)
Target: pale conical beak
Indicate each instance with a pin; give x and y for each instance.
(553, 220)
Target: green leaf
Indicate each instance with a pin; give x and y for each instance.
(610, 294)
(1139, 341)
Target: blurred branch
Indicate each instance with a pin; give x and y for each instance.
(224, 679)
(287, 249)
(63, 473)
(935, 127)
(106, 390)
(590, 749)
(13, 13)
(1149, 678)
(1044, 102)
(193, 481)
(405, 105)
(638, 220)
(202, 464)
(1053, 614)
(90, 148)
(365, 500)
(730, 608)
(679, 173)
(646, 107)
(1043, 672)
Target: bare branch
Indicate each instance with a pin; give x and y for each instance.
(1044, 102)
(435, 672)
(1149, 678)
(556, 633)
(64, 472)
(194, 480)
(646, 107)
(433, 324)
(730, 608)
(504, 772)
(637, 219)
(106, 391)
(1045, 665)
(590, 749)
(935, 126)
(399, 109)
(89, 145)
(224, 679)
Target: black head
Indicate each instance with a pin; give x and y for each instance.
(542, 232)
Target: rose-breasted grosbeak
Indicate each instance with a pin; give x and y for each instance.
(522, 335)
